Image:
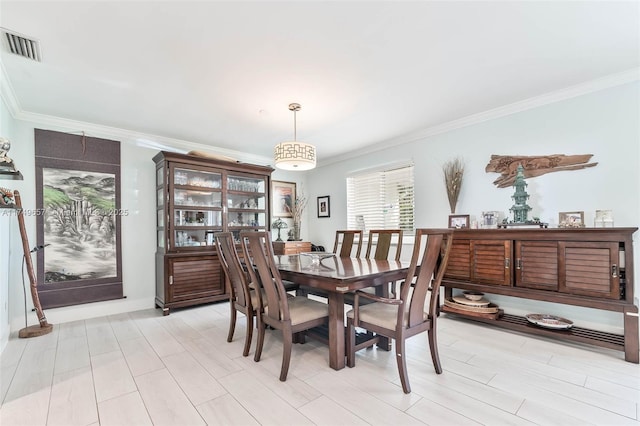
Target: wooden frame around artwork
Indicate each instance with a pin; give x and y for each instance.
(283, 195)
(571, 219)
(459, 221)
(324, 206)
(78, 216)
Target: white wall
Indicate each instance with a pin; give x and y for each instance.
(8, 229)
(604, 123)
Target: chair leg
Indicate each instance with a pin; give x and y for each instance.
(248, 336)
(287, 337)
(433, 347)
(232, 321)
(402, 365)
(261, 331)
(300, 337)
(351, 343)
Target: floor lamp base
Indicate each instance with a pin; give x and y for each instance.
(35, 331)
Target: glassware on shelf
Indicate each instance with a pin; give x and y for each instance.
(180, 177)
(185, 197)
(245, 184)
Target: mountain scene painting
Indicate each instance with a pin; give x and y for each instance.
(79, 225)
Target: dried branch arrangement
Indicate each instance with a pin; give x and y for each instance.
(299, 204)
(453, 172)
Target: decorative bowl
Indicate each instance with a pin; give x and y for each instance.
(317, 256)
(473, 295)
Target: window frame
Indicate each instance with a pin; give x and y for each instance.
(382, 177)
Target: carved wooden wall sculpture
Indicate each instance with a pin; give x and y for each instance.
(534, 166)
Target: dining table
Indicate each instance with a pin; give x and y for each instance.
(338, 276)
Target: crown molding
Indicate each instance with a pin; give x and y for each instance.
(606, 82)
(140, 139)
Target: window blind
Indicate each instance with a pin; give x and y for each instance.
(383, 199)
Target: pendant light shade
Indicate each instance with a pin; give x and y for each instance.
(295, 155)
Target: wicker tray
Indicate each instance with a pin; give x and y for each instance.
(455, 310)
(487, 309)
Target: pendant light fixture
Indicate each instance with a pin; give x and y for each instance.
(295, 155)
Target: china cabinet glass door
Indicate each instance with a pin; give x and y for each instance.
(246, 203)
(197, 207)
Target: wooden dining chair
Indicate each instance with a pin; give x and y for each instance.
(348, 243)
(405, 316)
(243, 296)
(288, 314)
(379, 245)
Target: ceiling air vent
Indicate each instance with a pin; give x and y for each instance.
(21, 45)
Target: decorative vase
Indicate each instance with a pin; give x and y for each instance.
(296, 231)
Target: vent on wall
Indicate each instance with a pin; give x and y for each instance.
(21, 45)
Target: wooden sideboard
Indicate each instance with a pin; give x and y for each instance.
(291, 247)
(587, 267)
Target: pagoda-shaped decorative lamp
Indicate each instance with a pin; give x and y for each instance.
(520, 209)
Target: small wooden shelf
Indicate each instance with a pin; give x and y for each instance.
(11, 175)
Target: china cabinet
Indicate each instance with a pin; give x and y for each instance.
(196, 197)
(585, 267)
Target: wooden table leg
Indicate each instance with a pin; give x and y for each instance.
(336, 331)
(631, 353)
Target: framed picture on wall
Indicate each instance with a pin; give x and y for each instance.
(459, 221)
(283, 195)
(324, 208)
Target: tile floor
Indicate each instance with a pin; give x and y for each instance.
(142, 368)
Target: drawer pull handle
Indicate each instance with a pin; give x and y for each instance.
(518, 263)
(614, 270)
(507, 262)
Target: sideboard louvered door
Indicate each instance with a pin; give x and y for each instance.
(491, 262)
(590, 269)
(536, 265)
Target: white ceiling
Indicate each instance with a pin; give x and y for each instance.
(223, 73)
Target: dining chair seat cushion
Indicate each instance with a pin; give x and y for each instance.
(380, 314)
(302, 309)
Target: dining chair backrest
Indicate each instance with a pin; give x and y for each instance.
(381, 241)
(348, 243)
(243, 293)
(232, 268)
(428, 258)
(257, 247)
